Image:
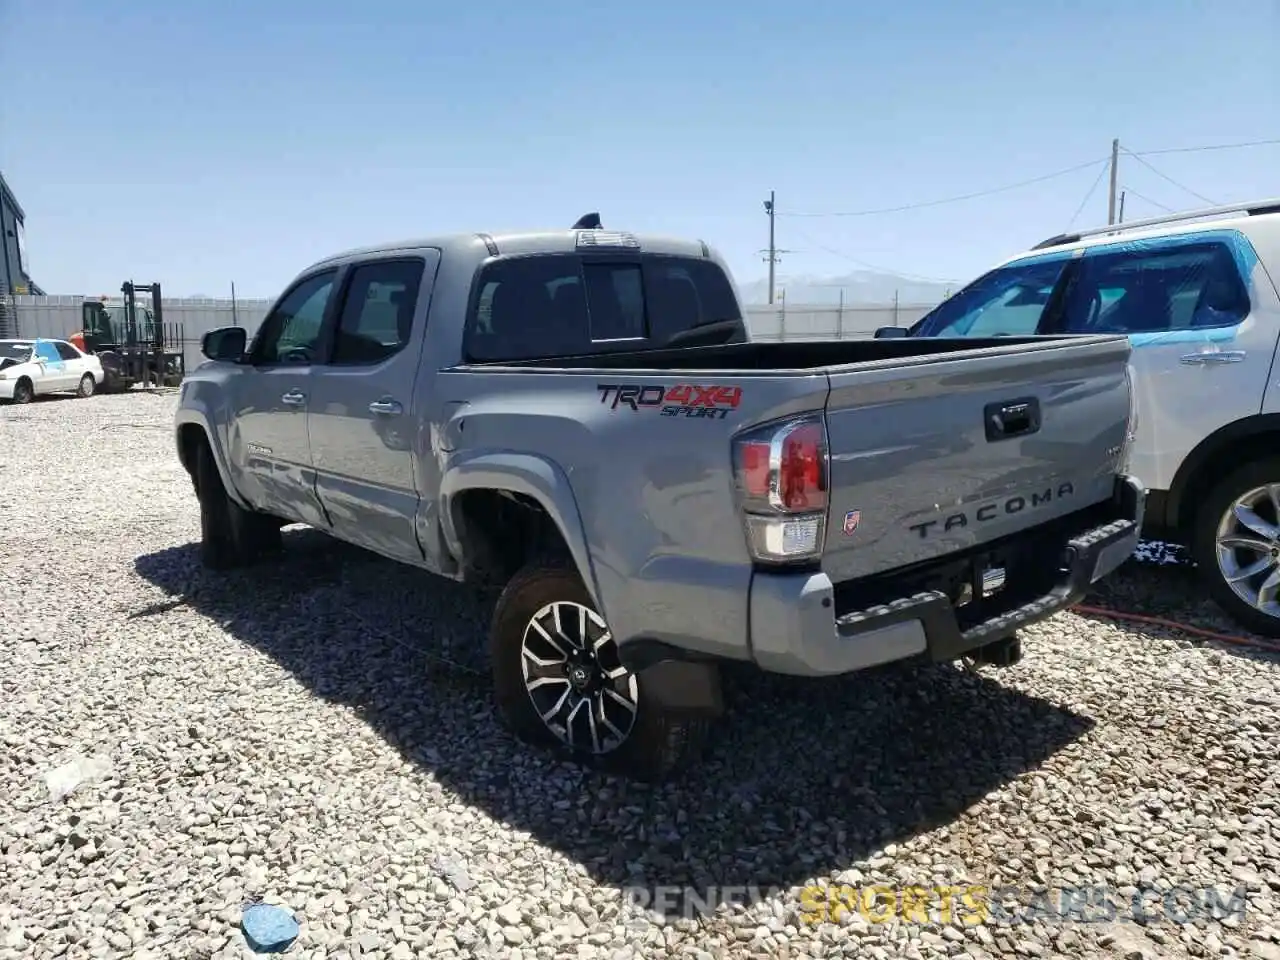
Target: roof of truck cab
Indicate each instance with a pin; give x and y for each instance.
(516, 243)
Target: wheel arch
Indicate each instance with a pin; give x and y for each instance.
(191, 431)
(1239, 442)
(524, 479)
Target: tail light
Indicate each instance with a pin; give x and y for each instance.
(781, 472)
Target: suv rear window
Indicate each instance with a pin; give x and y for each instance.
(564, 304)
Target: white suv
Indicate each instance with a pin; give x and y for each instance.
(1197, 295)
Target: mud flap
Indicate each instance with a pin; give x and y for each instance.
(685, 688)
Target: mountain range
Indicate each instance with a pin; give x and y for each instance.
(859, 287)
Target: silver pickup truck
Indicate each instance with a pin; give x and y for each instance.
(581, 416)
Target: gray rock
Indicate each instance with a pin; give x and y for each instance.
(318, 730)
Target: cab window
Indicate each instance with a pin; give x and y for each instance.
(291, 332)
(377, 314)
(563, 304)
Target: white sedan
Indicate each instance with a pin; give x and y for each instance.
(31, 367)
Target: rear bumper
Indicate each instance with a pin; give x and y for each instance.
(799, 624)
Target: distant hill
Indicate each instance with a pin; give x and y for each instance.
(861, 286)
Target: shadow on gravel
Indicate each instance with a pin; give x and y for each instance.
(802, 778)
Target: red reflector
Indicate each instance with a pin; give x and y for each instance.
(801, 483)
(755, 468)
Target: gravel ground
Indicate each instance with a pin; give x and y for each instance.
(315, 734)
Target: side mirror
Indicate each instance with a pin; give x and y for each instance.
(890, 333)
(226, 344)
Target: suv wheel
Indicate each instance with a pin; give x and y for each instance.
(1236, 544)
(559, 682)
(230, 536)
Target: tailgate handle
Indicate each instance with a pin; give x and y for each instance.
(1006, 419)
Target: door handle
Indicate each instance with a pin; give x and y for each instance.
(1011, 418)
(1219, 356)
(389, 407)
(294, 398)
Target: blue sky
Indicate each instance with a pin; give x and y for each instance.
(200, 143)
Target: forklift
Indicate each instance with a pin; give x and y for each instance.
(133, 341)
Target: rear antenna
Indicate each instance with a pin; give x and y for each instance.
(590, 221)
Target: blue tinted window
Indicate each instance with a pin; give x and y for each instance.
(1178, 286)
(1008, 300)
(45, 350)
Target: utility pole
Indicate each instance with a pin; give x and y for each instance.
(773, 251)
(1122, 193)
(1115, 165)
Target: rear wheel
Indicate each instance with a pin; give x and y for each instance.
(1236, 545)
(559, 682)
(23, 391)
(231, 536)
(87, 386)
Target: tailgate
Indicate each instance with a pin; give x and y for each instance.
(937, 454)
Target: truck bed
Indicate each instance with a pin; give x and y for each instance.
(934, 445)
(802, 356)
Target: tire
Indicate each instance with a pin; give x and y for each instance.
(1221, 566)
(230, 536)
(23, 391)
(653, 746)
(87, 386)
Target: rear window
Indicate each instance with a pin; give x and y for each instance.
(563, 304)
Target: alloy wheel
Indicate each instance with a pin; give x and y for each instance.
(575, 679)
(1247, 545)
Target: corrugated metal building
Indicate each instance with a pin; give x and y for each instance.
(15, 272)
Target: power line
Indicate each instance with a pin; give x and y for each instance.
(1138, 155)
(870, 266)
(1106, 165)
(1165, 176)
(1154, 203)
(935, 203)
(1211, 146)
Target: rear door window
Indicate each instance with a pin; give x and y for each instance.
(564, 304)
(1157, 287)
(377, 315)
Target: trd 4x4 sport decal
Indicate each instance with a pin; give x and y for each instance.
(681, 400)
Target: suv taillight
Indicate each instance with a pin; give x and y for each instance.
(781, 473)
